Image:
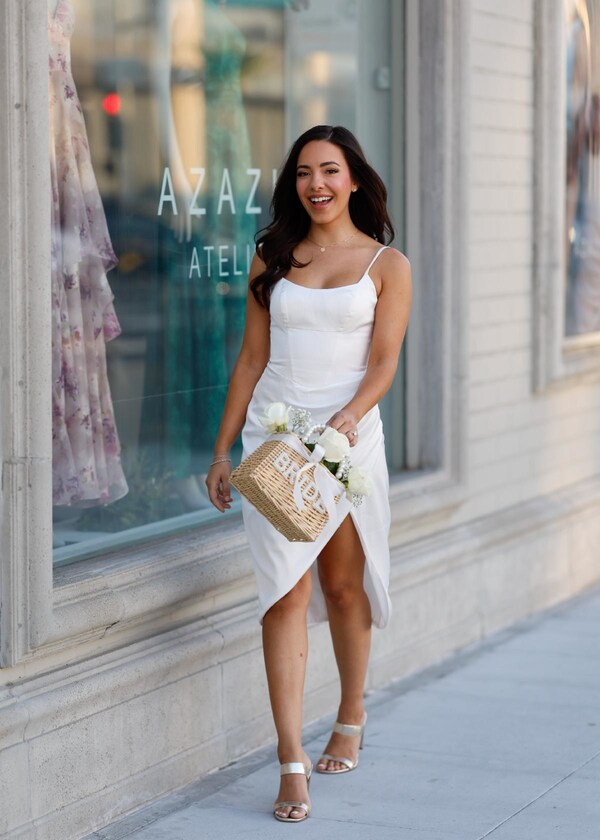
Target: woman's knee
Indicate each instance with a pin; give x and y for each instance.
(341, 593)
(295, 600)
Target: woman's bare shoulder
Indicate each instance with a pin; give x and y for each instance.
(391, 270)
(393, 261)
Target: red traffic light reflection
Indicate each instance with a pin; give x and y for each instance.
(112, 104)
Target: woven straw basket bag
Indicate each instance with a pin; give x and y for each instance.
(293, 499)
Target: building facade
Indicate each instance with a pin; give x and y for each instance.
(130, 652)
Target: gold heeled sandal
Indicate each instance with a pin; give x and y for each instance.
(344, 729)
(284, 770)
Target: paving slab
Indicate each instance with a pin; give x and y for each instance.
(487, 729)
(413, 791)
(501, 741)
(196, 823)
(570, 810)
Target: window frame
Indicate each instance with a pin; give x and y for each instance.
(437, 233)
(25, 441)
(558, 360)
(129, 595)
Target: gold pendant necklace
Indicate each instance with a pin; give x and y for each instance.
(323, 248)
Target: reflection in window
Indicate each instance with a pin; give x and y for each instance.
(582, 212)
(189, 106)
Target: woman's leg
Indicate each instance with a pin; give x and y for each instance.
(285, 646)
(341, 571)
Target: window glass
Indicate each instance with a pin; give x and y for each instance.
(582, 211)
(169, 119)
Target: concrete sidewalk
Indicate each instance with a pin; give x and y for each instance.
(501, 741)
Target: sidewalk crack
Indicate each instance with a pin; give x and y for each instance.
(535, 798)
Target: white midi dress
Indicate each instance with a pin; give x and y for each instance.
(320, 344)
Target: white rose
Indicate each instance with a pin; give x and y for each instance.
(335, 444)
(275, 416)
(359, 481)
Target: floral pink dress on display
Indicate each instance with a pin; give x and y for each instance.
(86, 451)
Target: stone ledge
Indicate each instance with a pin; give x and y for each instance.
(124, 598)
(121, 599)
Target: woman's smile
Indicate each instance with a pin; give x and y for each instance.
(320, 201)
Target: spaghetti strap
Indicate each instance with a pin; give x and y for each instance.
(370, 266)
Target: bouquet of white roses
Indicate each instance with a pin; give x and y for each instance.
(279, 418)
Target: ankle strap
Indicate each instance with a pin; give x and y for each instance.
(349, 728)
(292, 767)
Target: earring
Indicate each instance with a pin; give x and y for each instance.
(354, 189)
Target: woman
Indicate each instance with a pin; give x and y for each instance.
(321, 336)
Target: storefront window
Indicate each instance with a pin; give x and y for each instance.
(582, 212)
(179, 111)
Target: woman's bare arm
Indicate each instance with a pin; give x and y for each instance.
(251, 362)
(391, 320)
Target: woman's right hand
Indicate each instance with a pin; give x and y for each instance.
(217, 483)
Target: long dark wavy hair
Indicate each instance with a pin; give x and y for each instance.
(290, 222)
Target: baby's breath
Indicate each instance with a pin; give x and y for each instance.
(299, 422)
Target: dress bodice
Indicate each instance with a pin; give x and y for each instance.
(78, 223)
(60, 29)
(322, 335)
(225, 50)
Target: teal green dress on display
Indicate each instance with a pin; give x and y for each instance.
(201, 284)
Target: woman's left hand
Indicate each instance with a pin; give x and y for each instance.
(345, 421)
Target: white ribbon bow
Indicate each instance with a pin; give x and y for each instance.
(322, 481)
